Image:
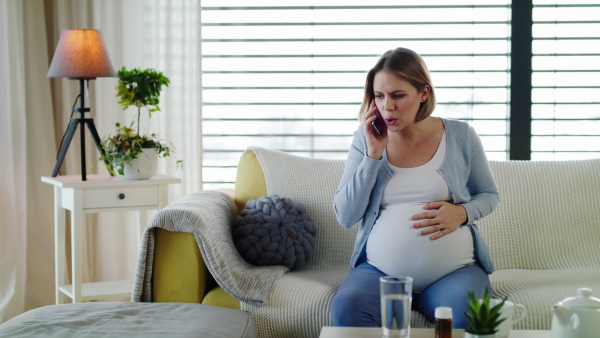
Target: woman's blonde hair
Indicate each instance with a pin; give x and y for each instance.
(409, 65)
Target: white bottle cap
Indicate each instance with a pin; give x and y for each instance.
(443, 312)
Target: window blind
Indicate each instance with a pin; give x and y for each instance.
(291, 77)
(565, 80)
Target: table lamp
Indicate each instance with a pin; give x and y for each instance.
(80, 55)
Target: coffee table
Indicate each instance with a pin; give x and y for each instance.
(375, 332)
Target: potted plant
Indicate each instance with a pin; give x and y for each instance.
(483, 318)
(129, 152)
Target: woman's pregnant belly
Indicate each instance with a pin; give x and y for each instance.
(397, 249)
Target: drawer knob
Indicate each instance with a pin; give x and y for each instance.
(121, 196)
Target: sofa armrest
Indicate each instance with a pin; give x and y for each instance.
(208, 215)
(179, 273)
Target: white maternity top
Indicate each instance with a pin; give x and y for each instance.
(396, 248)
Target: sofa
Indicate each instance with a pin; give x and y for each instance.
(543, 238)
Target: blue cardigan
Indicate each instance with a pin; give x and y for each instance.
(465, 169)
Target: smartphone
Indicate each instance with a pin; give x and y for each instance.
(378, 124)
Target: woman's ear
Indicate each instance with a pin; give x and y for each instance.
(425, 93)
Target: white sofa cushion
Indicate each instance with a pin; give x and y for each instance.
(311, 182)
(548, 217)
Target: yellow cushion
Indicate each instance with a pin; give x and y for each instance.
(180, 274)
(250, 182)
(218, 297)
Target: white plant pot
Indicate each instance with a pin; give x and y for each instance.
(143, 167)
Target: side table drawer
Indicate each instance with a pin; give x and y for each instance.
(115, 197)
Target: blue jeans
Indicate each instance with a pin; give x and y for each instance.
(357, 302)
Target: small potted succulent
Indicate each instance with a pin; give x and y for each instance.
(130, 153)
(483, 318)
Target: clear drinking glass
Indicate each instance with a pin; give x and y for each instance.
(396, 299)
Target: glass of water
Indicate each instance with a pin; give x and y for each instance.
(396, 298)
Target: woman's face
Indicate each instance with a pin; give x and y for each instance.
(397, 100)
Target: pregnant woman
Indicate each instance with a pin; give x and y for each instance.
(417, 185)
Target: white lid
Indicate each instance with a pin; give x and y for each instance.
(443, 312)
(583, 299)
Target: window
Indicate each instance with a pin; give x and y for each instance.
(290, 77)
(565, 80)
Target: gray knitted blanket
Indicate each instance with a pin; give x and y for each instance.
(209, 215)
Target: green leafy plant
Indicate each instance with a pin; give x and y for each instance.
(125, 145)
(139, 88)
(483, 319)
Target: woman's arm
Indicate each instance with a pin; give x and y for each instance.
(481, 184)
(354, 190)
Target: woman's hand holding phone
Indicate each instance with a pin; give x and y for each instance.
(378, 123)
(375, 132)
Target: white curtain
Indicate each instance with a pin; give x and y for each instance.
(35, 110)
(27, 141)
(13, 177)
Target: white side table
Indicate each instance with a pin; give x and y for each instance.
(99, 193)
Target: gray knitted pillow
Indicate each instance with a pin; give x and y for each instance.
(275, 231)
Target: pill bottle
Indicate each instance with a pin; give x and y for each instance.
(443, 322)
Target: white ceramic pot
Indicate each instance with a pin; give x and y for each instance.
(470, 335)
(143, 167)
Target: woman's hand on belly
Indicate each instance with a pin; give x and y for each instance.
(442, 219)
